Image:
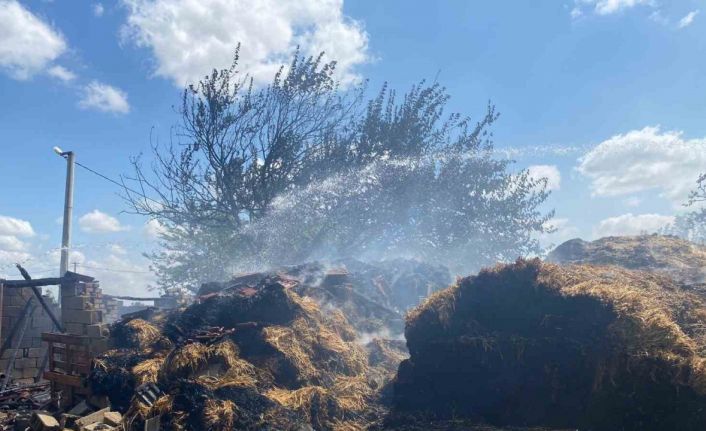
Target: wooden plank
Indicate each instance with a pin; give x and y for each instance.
(72, 367)
(74, 276)
(64, 379)
(54, 337)
(37, 282)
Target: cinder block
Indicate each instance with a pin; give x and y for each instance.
(97, 330)
(98, 345)
(75, 328)
(16, 300)
(76, 302)
(12, 310)
(29, 373)
(24, 363)
(43, 421)
(88, 317)
(112, 418)
(34, 352)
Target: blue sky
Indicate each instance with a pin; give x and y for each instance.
(605, 97)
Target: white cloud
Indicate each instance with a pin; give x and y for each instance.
(550, 172)
(189, 38)
(98, 9)
(607, 7)
(153, 229)
(629, 224)
(104, 98)
(100, 222)
(61, 73)
(11, 243)
(646, 159)
(75, 256)
(28, 45)
(688, 19)
(121, 275)
(12, 248)
(117, 249)
(15, 227)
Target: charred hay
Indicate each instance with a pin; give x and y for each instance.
(535, 344)
(252, 355)
(678, 258)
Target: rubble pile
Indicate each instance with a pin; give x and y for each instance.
(252, 354)
(680, 259)
(536, 344)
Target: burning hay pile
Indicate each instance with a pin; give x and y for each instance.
(538, 344)
(252, 355)
(682, 260)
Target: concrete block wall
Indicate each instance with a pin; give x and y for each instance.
(29, 352)
(83, 310)
(111, 310)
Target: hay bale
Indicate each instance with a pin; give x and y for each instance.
(542, 345)
(147, 371)
(138, 334)
(196, 359)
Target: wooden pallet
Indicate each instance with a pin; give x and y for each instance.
(68, 367)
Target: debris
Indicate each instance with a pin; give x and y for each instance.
(80, 409)
(249, 355)
(112, 418)
(43, 421)
(148, 393)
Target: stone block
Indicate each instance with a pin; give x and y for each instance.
(97, 330)
(43, 421)
(12, 310)
(98, 345)
(34, 352)
(92, 418)
(29, 373)
(76, 302)
(75, 328)
(26, 363)
(112, 418)
(83, 316)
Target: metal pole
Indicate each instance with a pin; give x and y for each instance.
(68, 209)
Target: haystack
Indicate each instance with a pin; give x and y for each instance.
(249, 356)
(536, 344)
(680, 259)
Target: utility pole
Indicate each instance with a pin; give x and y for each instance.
(68, 209)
